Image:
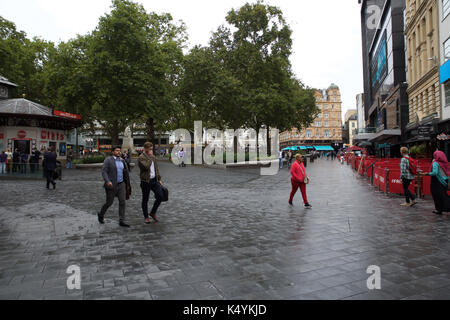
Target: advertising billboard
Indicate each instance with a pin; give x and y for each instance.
(378, 70)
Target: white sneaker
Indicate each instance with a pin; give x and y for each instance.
(406, 204)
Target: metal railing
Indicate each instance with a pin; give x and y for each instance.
(21, 170)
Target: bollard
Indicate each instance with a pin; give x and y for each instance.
(371, 176)
(386, 184)
(417, 183)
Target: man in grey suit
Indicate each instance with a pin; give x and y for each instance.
(116, 176)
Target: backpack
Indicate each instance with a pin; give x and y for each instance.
(412, 166)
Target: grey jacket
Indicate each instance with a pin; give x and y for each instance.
(109, 172)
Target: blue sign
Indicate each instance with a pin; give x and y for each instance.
(445, 72)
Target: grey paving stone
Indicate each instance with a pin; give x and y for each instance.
(225, 234)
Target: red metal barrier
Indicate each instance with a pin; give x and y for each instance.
(395, 182)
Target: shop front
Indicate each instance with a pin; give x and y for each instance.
(28, 126)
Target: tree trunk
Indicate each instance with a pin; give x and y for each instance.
(257, 143)
(150, 130)
(115, 133)
(269, 144)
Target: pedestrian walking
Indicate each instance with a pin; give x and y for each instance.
(69, 159)
(117, 184)
(23, 162)
(181, 158)
(150, 181)
(126, 157)
(34, 160)
(49, 166)
(280, 158)
(299, 179)
(16, 161)
(440, 173)
(286, 158)
(9, 161)
(407, 171)
(3, 161)
(291, 156)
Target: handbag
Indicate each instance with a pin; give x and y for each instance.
(443, 174)
(306, 179)
(165, 193)
(128, 191)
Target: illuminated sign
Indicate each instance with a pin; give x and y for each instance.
(66, 115)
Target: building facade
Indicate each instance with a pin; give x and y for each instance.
(26, 125)
(422, 53)
(351, 125)
(384, 67)
(326, 129)
(360, 111)
(443, 19)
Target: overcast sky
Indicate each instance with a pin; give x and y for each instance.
(326, 33)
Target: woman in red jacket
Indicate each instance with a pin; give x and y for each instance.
(298, 179)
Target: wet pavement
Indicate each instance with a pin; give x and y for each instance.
(224, 234)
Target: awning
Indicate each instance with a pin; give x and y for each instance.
(324, 148)
(445, 72)
(385, 134)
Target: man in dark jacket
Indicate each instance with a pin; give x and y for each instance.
(117, 179)
(150, 181)
(23, 162)
(49, 164)
(16, 160)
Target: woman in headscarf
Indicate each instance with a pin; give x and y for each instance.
(440, 172)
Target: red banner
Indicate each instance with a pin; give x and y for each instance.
(66, 115)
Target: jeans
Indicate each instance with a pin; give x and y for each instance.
(408, 194)
(146, 187)
(2, 167)
(69, 165)
(281, 163)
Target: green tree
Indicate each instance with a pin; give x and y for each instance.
(134, 59)
(24, 61)
(255, 85)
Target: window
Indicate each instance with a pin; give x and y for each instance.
(353, 124)
(445, 8)
(317, 124)
(308, 133)
(327, 133)
(326, 124)
(317, 133)
(447, 93)
(334, 99)
(447, 48)
(325, 107)
(326, 114)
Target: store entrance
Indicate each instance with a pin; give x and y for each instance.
(22, 145)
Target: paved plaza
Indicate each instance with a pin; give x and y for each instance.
(224, 234)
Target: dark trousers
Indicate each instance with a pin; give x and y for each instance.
(118, 191)
(146, 187)
(49, 175)
(408, 194)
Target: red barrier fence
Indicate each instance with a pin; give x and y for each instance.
(386, 173)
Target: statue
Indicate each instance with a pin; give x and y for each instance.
(128, 141)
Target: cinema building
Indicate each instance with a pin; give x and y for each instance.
(25, 125)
